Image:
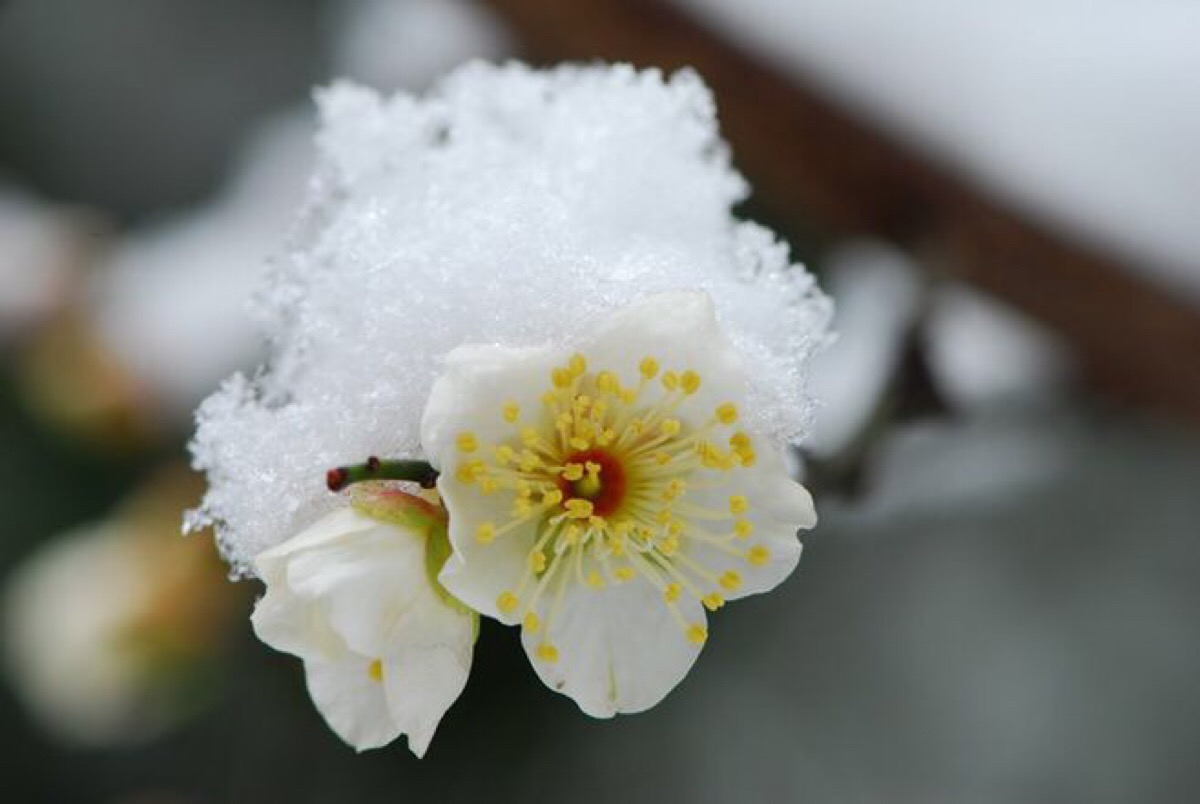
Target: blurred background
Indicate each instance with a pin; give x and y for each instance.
(1000, 603)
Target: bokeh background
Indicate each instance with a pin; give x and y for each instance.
(1000, 603)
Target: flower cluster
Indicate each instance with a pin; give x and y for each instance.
(526, 291)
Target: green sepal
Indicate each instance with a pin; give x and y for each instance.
(389, 504)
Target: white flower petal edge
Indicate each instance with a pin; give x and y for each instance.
(385, 653)
(603, 499)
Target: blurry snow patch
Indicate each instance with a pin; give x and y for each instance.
(38, 246)
(945, 465)
(406, 44)
(1083, 111)
(877, 293)
(983, 352)
(172, 302)
(507, 206)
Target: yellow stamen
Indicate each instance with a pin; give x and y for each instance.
(578, 508)
(506, 602)
(561, 378)
(577, 365)
(758, 555)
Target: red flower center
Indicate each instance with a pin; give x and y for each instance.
(605, 490)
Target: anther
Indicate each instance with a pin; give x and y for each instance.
(578, 508)
(561, 378)
(506, 602)
(577, 365)
(758, 555)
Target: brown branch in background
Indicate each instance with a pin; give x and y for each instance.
(810, 160)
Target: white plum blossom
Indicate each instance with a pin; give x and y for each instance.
(385, 650)
(512, 234)
(105, 630)
(604, 496)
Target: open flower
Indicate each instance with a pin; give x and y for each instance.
(386, 651)
(604, 498)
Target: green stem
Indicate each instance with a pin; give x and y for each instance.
(375, 469)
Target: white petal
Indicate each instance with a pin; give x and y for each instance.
(779, 507)
(331, 528)
(292, 625)
(680, 330)
(472, 391)
(421, 684)
(374, 596)
(620, 649)
(470, 395)
(478, 573)
(352, 702)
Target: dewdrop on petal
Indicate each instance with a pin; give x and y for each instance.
(518, 209)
